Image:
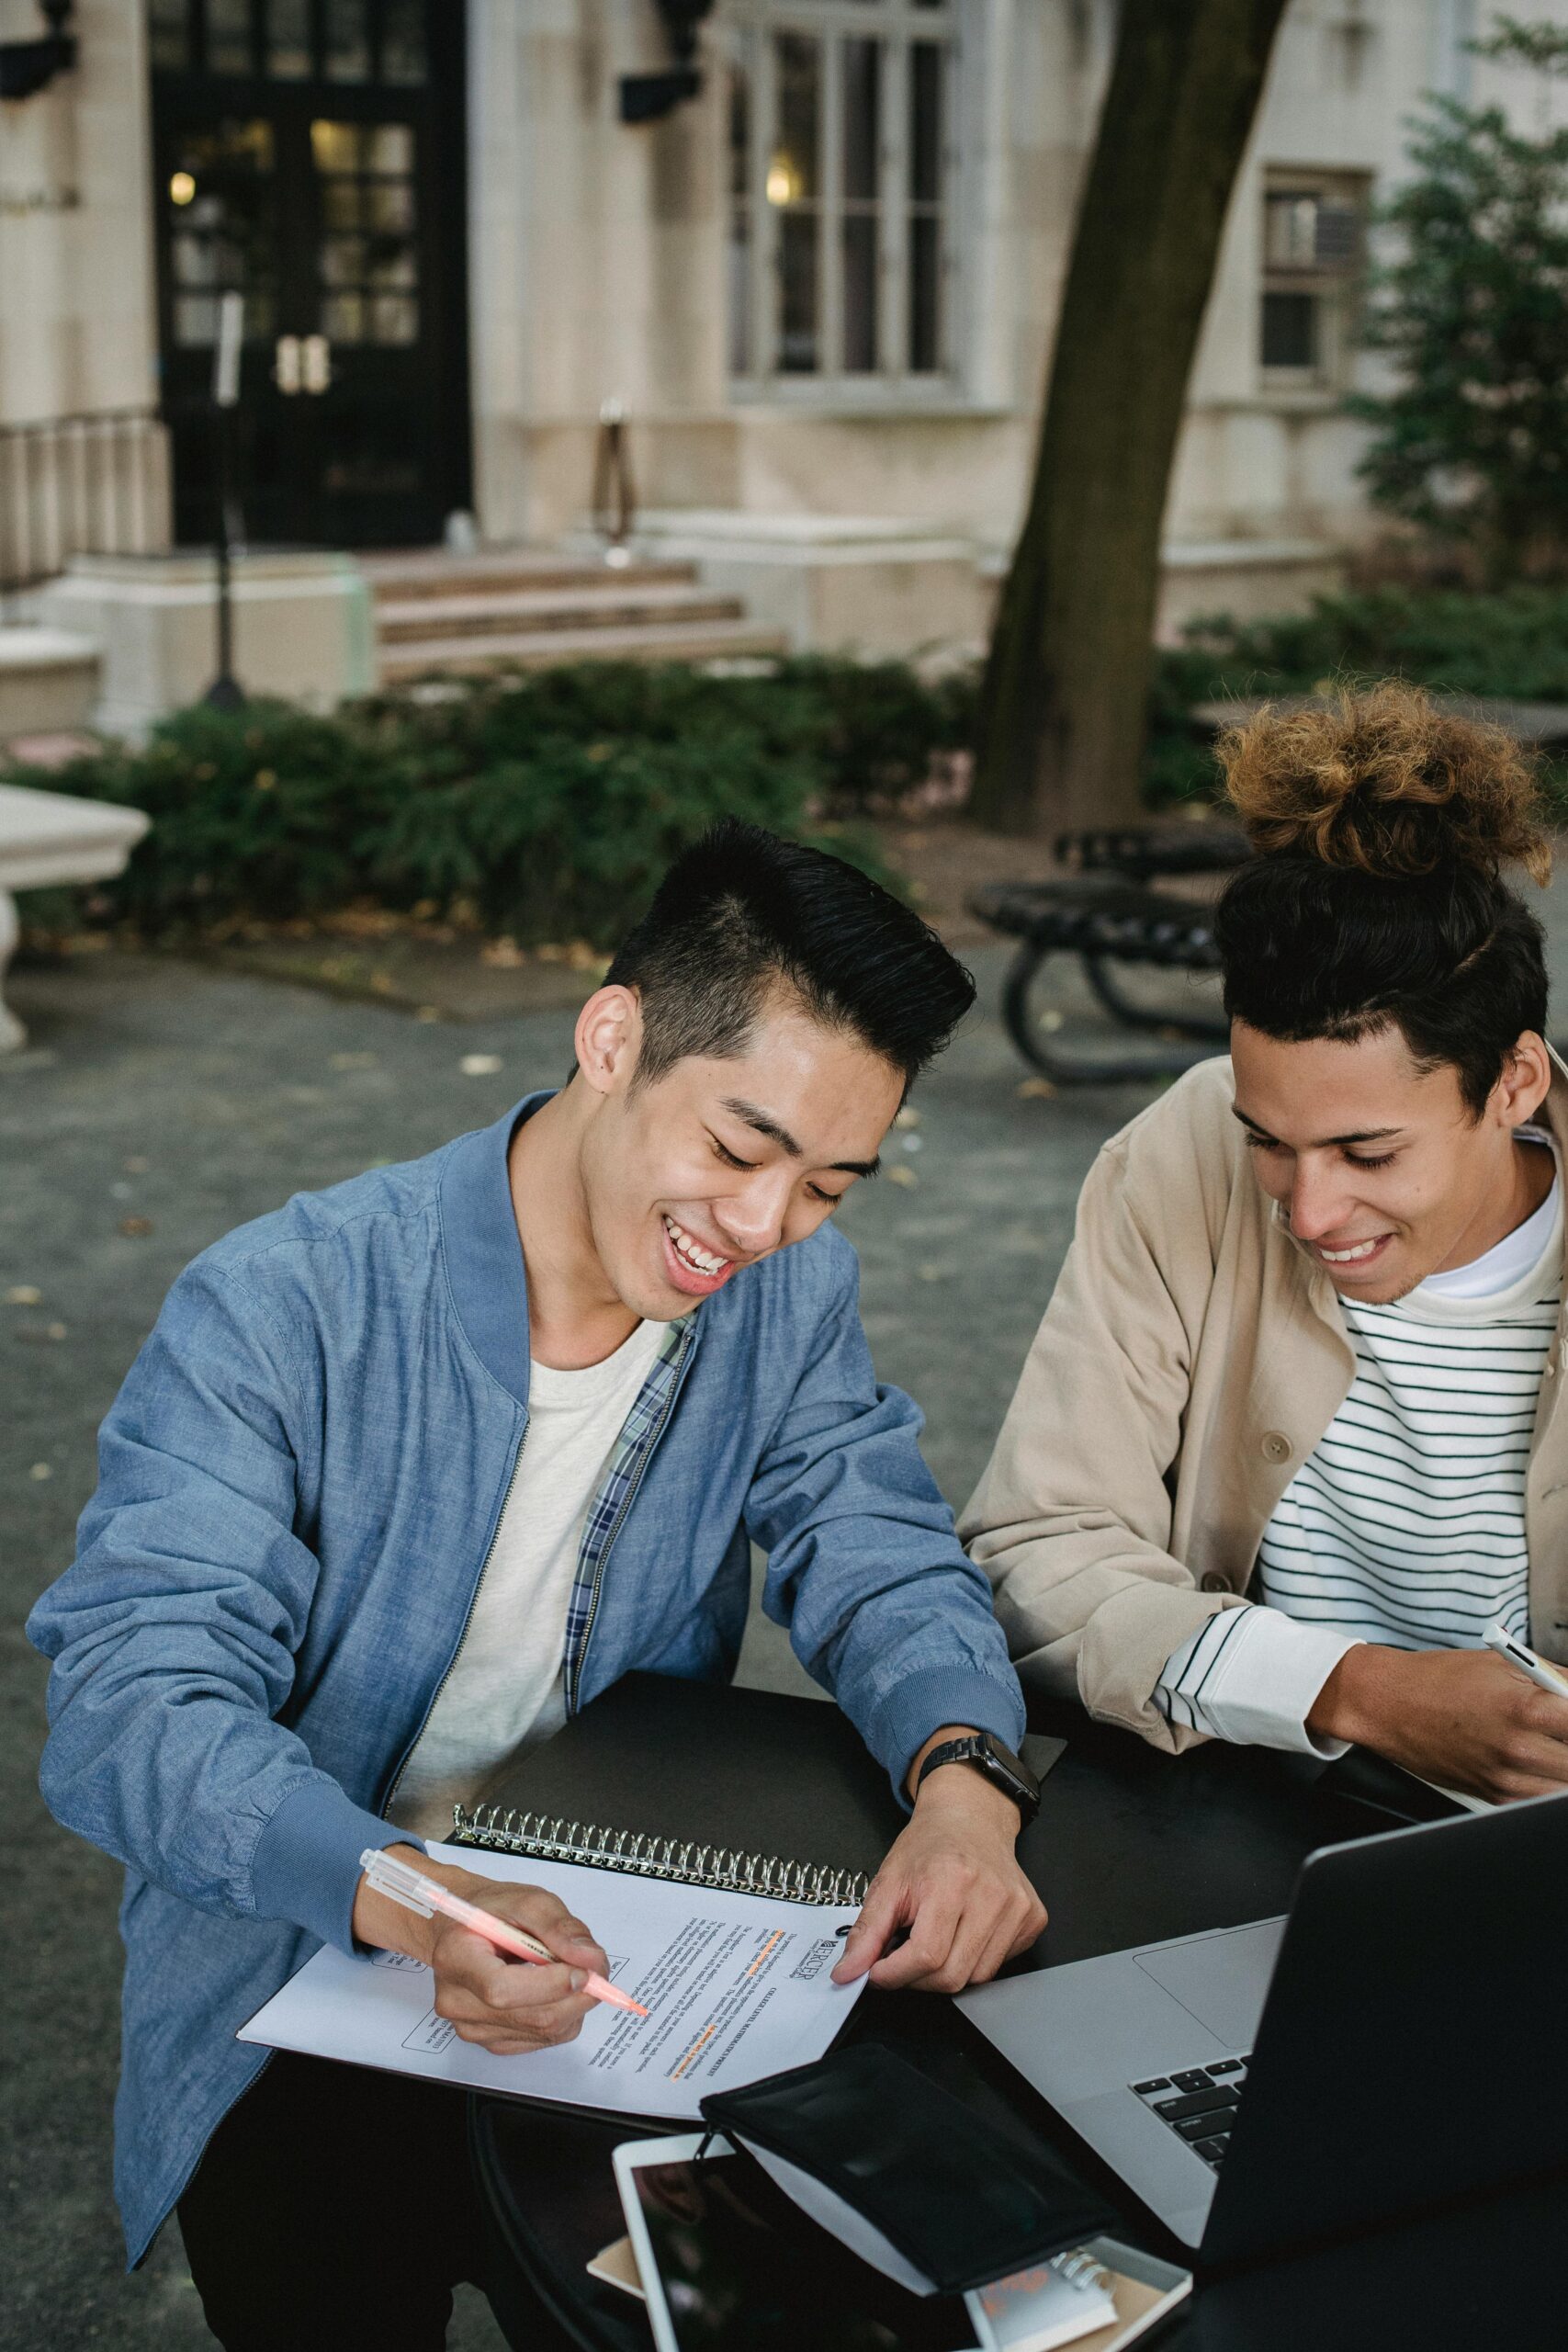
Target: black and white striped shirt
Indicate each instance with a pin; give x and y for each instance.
(1406, 1525)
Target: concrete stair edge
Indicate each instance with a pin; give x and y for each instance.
(486, 617)
(695, 641)
(460, 578)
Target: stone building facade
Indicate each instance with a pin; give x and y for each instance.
(821, 288)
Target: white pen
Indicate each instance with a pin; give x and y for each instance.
(404, 1885)
(1551, 1677)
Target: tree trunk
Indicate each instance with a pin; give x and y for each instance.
(1064, 707)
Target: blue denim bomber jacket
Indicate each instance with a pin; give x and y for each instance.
(298, 1485)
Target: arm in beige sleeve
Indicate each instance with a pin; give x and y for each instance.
(1072, 1518)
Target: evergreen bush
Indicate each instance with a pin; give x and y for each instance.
(1472, 440)
(548, 804)
(1511, 645)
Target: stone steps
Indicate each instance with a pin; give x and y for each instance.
(694, 641)
(513, 612)
(461, 616)
(431, 573)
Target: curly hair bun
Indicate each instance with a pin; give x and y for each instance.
(1389, 782)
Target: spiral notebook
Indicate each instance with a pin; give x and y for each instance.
(719, 1843)
(671, 1816)
(734, 1986)
(702, 1784)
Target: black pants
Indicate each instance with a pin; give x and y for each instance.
(334, 2208)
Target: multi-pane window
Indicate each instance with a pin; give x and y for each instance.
(221, 227)
(291, 41)
(1313, 226)
(842, 199)
(367, 253)
(223, 230)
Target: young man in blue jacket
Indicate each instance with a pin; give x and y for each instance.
(412, 1469)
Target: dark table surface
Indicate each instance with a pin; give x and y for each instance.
(1130, 1846)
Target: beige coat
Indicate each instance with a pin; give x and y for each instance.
(1189, 1360)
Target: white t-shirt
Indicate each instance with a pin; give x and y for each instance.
(1406, 1525)
(503, 1692)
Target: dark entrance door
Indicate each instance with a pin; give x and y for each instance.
(308, 154)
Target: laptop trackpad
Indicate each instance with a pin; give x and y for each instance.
(1220, 1980)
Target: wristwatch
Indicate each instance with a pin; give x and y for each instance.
(984, 1752)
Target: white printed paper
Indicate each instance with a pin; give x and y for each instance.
(737, 1986)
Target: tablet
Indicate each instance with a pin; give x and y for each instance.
(729, 2264)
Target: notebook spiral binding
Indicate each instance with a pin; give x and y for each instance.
(542, 1839)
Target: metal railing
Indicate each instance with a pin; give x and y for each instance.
(614, 502)
(94, 484)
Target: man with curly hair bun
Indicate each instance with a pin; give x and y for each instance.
(1291, 1435)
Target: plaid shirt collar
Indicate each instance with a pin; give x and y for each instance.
(640, 1433)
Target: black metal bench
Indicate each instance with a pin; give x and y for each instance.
(1139, 852)
(1103, 912)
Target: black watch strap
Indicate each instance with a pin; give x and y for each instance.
(985, 1753)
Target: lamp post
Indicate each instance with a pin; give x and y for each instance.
(225, 693)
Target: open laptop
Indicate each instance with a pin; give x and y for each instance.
(1397, 2039)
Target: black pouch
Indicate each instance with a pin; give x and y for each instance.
(914, 2163)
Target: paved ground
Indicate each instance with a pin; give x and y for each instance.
(159, 1104)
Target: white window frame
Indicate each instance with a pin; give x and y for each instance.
(750, 28)
(1330, 284)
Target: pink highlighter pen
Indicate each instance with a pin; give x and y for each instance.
(402, 1884)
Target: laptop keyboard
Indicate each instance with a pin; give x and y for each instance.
(1199, 2105)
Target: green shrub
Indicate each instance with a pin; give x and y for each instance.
(549, 803)
(1511, 644)
(259, 812)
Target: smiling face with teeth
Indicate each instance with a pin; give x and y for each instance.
(1380, 1167)
(721, 1160)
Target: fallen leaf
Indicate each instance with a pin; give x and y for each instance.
(55, 1330)
(904, 1176)
(907, 1118)
(479, 1065)
(1049, 1020)
(134, 1226)
(136, 1165)
(351, 1061)
(502, 955)
(24, 1295)
(1037, 1090)
(427, 1012)
(41, 1470)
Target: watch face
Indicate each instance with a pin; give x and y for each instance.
(1011, 1769)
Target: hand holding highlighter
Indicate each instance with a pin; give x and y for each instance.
(400, 1883)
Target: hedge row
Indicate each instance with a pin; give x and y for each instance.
(1512, 644)
(548, 805)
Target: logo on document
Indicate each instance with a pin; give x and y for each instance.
(814, 1958)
